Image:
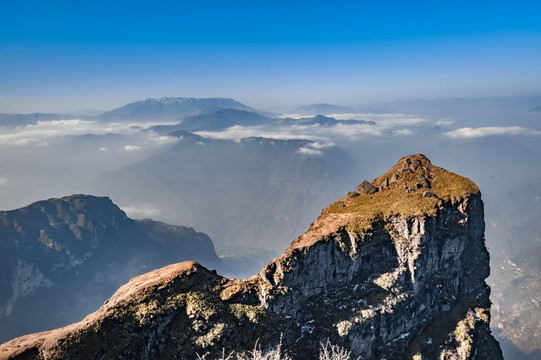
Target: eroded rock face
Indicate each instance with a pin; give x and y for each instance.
(391, 274)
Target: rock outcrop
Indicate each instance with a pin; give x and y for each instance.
(62, 258)
(389, 274)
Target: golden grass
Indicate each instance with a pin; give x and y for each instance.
(413, 187)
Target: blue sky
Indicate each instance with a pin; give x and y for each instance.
(70, 55)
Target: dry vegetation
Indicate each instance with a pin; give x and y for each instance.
(326, 352)
(413, 187)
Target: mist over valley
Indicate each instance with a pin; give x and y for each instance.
(253, 181)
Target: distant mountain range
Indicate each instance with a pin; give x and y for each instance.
(170, 109)
(323, 121)
(225, 118)
(215, 121)
(323, 109)
(62, 257)
(481, 110)
(192, 113)
(164, 109)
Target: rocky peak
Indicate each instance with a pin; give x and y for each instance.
(388, 273)
(411, 188)
(72, 223)
(67, 255)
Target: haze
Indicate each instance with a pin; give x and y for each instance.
(458, 81)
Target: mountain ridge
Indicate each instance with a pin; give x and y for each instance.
(395, 286)
(54, 251)
(171, 108)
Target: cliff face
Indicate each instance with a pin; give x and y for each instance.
(61, 258)
(394, 271)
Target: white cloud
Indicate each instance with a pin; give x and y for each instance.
(471, 133)
(312, 152)
(3, 181)
(318, 145)
(141, 211)
(40, 132)
(102, 149)
(385, 124)
(238, 132)
(44, 131)
(402, 132)
(444, 122)
(163, 140)
(388, 120)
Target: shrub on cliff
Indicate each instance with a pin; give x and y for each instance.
(327, 352)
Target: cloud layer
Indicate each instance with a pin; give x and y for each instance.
(472, 133)
(385, 124)
(41, 133)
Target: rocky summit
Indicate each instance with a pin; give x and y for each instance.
(394, 271)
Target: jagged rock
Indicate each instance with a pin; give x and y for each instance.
(352, 194)
(389, 275)
(415, 163)
(366, 188)
(424, 181)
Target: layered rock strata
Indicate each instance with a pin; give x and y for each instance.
(395, 272)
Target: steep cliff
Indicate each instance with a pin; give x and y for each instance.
(394, 271)
(62, 258)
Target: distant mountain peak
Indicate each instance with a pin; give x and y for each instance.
(171, 108)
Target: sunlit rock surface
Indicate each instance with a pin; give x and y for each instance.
(395, 273)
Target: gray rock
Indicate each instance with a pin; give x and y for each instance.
(367, 188)
(424, 181)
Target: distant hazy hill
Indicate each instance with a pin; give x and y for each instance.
(516, 311)
(215, 121)
(60, 258)
(323, 109)
(255, 192)
(170, 109)
(323, 121)
(514, 229)
(492, 111)
(225, 118)
(515, 214)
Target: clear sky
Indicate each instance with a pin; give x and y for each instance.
(61, 55)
